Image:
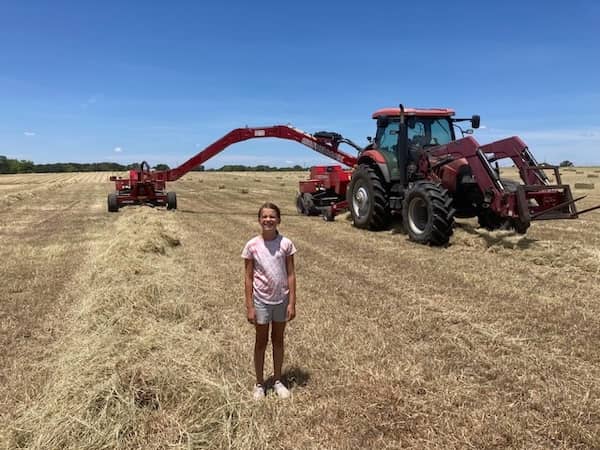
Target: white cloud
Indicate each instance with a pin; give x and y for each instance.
(117, 149)
(29, 133)
(92, 99)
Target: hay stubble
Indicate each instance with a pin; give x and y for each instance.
(491, 342)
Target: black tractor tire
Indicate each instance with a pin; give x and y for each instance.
(300, 204)
(171, 200)
(305, 204)
(328, 215)
(427, 213)
(367, 199)
(490, 221)
(113, 204)
(520, 226)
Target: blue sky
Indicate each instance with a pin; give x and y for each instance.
(132, 81)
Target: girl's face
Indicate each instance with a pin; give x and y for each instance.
(268, 219)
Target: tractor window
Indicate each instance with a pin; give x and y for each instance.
(441, 132)
(428, 131)
(416, 131)
(389, 137)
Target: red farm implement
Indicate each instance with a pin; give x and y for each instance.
(145, 186)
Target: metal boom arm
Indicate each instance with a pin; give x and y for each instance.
(327, 146)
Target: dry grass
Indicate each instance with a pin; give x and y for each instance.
(127, 330)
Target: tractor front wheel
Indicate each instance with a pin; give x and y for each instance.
(367, 198)
(171, 200)
(113, 204)
(427, 213)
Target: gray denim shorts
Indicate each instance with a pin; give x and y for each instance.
(266, 313)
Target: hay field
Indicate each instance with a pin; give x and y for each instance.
(128, 330)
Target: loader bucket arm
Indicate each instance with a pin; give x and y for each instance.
(515, 149)
(535, 199)
(324, 143)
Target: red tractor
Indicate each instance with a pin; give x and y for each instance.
(415, 167)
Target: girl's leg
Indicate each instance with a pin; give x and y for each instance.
(277, 332)
(260, 345)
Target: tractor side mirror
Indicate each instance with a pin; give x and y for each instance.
(370, 139)
(475, 121)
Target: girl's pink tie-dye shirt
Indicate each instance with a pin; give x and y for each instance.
(270, 282)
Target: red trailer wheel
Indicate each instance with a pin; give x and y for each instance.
(171, 200)
(113, 204)
(328, 214)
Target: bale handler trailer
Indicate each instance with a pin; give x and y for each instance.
(415, 167)
(145, 186)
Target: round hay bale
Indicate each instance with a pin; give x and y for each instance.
(221, 186)
(584, 185)
(244, 191)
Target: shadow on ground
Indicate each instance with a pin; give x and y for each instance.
(292, 377)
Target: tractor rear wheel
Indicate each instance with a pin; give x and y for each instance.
(367, 199)
(171, 200)
(113, 204)
(427, 213)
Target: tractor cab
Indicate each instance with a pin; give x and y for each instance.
(403, 133)
(400, 146)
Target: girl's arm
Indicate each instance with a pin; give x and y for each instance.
(248, 275)
(291, 275)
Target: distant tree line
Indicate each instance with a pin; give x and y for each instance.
(24, 166)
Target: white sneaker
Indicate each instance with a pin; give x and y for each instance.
(281, 390)
(258, 393)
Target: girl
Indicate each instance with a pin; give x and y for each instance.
(270, 288)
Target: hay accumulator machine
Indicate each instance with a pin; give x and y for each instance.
(145, 186)
(414, 167)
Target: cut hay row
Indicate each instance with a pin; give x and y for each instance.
(489, 343)
(136, 369)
